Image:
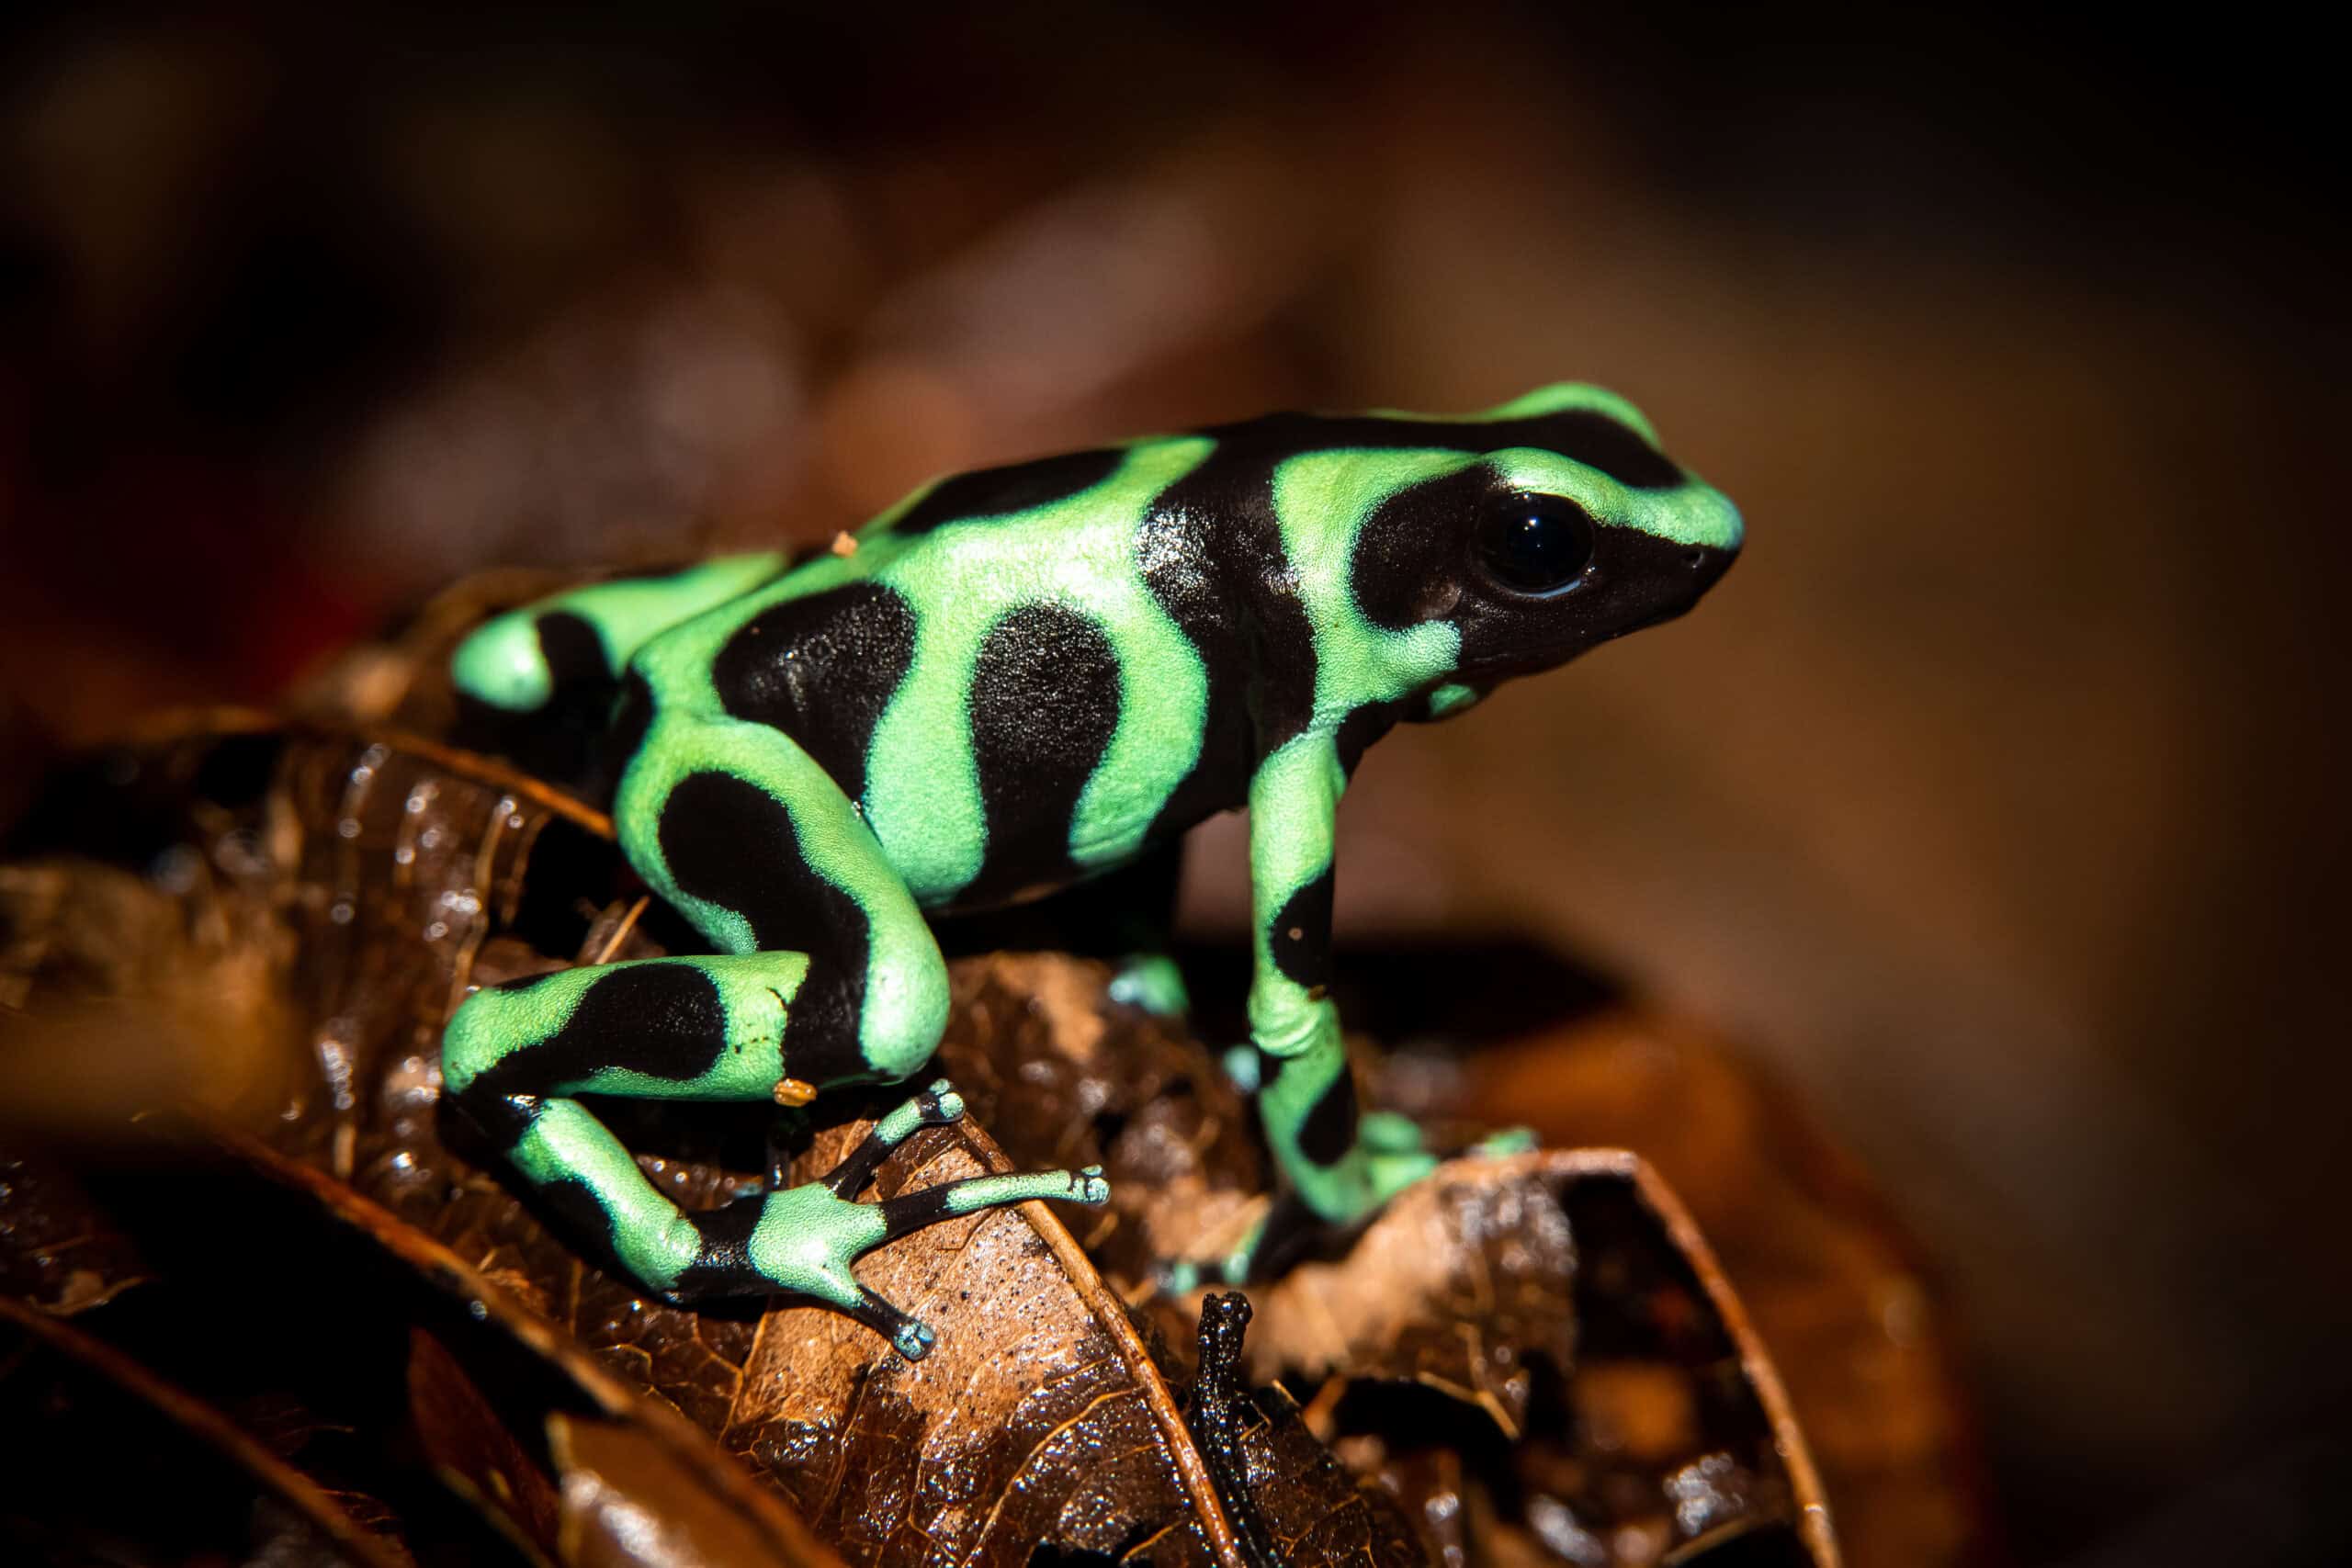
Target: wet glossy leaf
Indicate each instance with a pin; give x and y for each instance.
(1478, 1331)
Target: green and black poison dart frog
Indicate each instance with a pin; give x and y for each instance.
(1014, 680)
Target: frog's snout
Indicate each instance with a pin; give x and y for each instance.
(1704, 564)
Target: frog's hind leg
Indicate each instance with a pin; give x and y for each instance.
(827, 968)
(697, 1029)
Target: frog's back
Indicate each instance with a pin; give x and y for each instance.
(991, 674)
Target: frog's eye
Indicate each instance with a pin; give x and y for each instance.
(1534, 544)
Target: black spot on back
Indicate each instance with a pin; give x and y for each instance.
(572, 649)
(1211, 554)
(733, 843)
(1044, 702)
(1409, 552)
(1017, 487)
(823, 670)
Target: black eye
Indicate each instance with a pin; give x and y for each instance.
(1534, 544)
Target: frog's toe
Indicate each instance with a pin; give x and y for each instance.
(1152, 982)
(1235, 1265)
(1390, 1133)
(940, 1104)
(1392, 1173)
(911, 1211)
(1505, 1140)
(907, 1335)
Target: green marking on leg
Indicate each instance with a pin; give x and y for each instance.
(995, 1192)
(1294, 804)
(652, 1238)
(1339, 1192)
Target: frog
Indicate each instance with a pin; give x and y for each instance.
(1015, 681)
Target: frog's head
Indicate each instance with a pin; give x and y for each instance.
(1563, 527)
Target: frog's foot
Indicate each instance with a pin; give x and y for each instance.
(803, 1239)
(1180, 1276)
(1390, 1154)
(1505, 1140)
(1151, 981)
(936, 1106)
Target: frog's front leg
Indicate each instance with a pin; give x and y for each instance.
(753, 842)
(1341, 1166)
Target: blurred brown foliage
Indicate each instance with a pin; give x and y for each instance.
(1996, 798)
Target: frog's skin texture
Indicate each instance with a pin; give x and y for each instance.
(1015, 680)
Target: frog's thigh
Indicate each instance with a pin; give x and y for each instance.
(695, 1028)
(754, 843)
(707, 1028)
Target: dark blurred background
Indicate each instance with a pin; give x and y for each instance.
(1996, 801)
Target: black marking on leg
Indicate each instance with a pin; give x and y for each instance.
(823, 670)
(1300, 936)
(1293, 1233)
(1330, 1130)
(500, 1118)
(733, 843)
(1016, 487)
(723, 1265)
(579, 1215)
(662, 1020)
(1360, 728)
(911, 1211)
(1045, 702)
